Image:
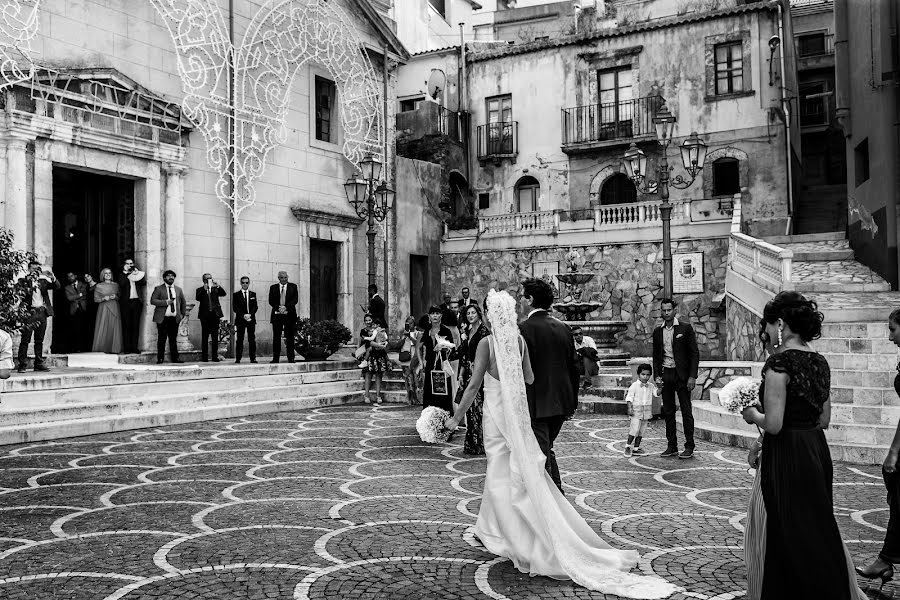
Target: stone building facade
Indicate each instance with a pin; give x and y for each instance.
(135, 180)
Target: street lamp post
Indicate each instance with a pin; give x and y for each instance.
(693, 155)
(371, 199)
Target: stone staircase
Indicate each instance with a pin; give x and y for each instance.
(856, 303)
(76, 402)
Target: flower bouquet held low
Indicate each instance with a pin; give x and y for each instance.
(739, 394)
(430, 425)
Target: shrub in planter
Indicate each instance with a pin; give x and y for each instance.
(320, 337)
(13, 314)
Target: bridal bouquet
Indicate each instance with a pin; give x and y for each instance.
(740, 393)
(430, 425)
(444, 344)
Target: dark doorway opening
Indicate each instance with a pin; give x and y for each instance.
(419, 298)
(93, 229)
(323, 277)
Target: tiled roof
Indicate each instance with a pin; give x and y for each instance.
(436, 50)
(478, 55)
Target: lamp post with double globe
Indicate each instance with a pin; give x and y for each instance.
(693, 155)
(372, 199)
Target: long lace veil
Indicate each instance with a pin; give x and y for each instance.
(585, 557)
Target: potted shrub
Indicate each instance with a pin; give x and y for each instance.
(317, 340)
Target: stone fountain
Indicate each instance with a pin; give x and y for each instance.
(576, 310)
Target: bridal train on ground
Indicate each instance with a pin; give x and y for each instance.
(523, 516)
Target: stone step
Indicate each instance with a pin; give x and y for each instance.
(710, 414)
(820, 251)
(19, 434)
(601, 405)
(847, 307)
(831, 236)
(836, 276)
(612, 380)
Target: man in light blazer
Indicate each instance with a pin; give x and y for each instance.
(283, 298)
(169, 309)
(676, 360)
(245, 306)
(553, 397)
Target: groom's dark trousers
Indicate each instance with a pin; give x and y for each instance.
(553, 396)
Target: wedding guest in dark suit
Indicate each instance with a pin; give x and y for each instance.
(465, 300)
(376, 306)
(131, 282)
(170, 308)
(553, 397)
(675, 361)
(283, 298)
(245, 306)
(209, 313)
(35, 288)
(77, 296)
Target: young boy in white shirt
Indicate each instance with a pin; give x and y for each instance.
(6, 357)
(639, 399)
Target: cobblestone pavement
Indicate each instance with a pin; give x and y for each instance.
(346, 502)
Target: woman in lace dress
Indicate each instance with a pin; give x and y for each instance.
(523, 515)
(804, 556)
(474, 332)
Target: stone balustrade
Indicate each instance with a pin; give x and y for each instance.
(763, 263)
(547, 220)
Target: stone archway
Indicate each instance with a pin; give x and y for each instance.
(600, 178)
(727, 152)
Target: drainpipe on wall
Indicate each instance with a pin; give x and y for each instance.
(231, 134)
(463, 102)
(842, 68)
(786, 108)
(388, 171)
(891, 208)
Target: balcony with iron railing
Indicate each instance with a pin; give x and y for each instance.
(497, 141)
(608, 124)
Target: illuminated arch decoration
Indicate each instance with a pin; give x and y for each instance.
(283, 36)
(18, 27)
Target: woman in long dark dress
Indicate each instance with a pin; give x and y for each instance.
(108, 326)
(432, 358)
(883, 567)
(804, 553)
(474, 332)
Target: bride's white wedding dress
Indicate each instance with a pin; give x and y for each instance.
(523, 516)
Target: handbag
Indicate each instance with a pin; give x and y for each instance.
(405, 351)
(440, 381)
(359, 352)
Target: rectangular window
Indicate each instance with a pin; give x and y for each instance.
(439, 7)
(410, 104)
(616, 99)
(813, 104)
(811, 44)
(325, 93)
(499, 124)
(729, 68)
(527, 200)
(484, 201)
(861, 155)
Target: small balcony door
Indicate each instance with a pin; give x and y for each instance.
(323, 277)
(500, 126)
(616, 106)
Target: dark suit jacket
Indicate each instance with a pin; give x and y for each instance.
(125, 287)
(291, 298)
(240, 309)
(376, 309)
(45, 285)
(555, 365)
(684, 349)
(210, 309)
(463, 304)
(72, 295)
(160, 300)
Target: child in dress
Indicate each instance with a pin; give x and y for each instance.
(639, 399)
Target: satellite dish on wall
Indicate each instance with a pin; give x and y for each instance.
(437, 81)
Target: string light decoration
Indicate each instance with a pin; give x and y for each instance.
(282, 36)
(18, 27)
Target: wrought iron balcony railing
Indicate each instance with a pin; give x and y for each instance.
(497, 140)
(609, 121)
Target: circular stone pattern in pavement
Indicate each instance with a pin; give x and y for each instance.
(345, 502)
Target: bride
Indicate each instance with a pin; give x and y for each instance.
(523, 516)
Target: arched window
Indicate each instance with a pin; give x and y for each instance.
(726, 174)
(528, 190)
(618, 189)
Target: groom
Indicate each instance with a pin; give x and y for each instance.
(553, 396)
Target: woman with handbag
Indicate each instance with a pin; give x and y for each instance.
(435, 346)
(408, 359)
(474, 331)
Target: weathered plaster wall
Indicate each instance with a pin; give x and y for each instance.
(672, 61)
(627, 285)
(742, 329)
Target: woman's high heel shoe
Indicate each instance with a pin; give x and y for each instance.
(885, 574)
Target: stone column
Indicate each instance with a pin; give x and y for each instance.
(43, 203)
(174, 255)
(302, 275)
(16, 190)
(148, 248)
(2, 187)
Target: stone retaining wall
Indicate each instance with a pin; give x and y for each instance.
(742, 333)
(627, 285)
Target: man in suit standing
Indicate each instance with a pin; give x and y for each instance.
(675, 363)
(245, 306)
(283, 298)
(376, 306)
(465, 300)
(76, 295)
(35, 288)
(169, 309)
(553, 396)
(131, 281)
(209, 313)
